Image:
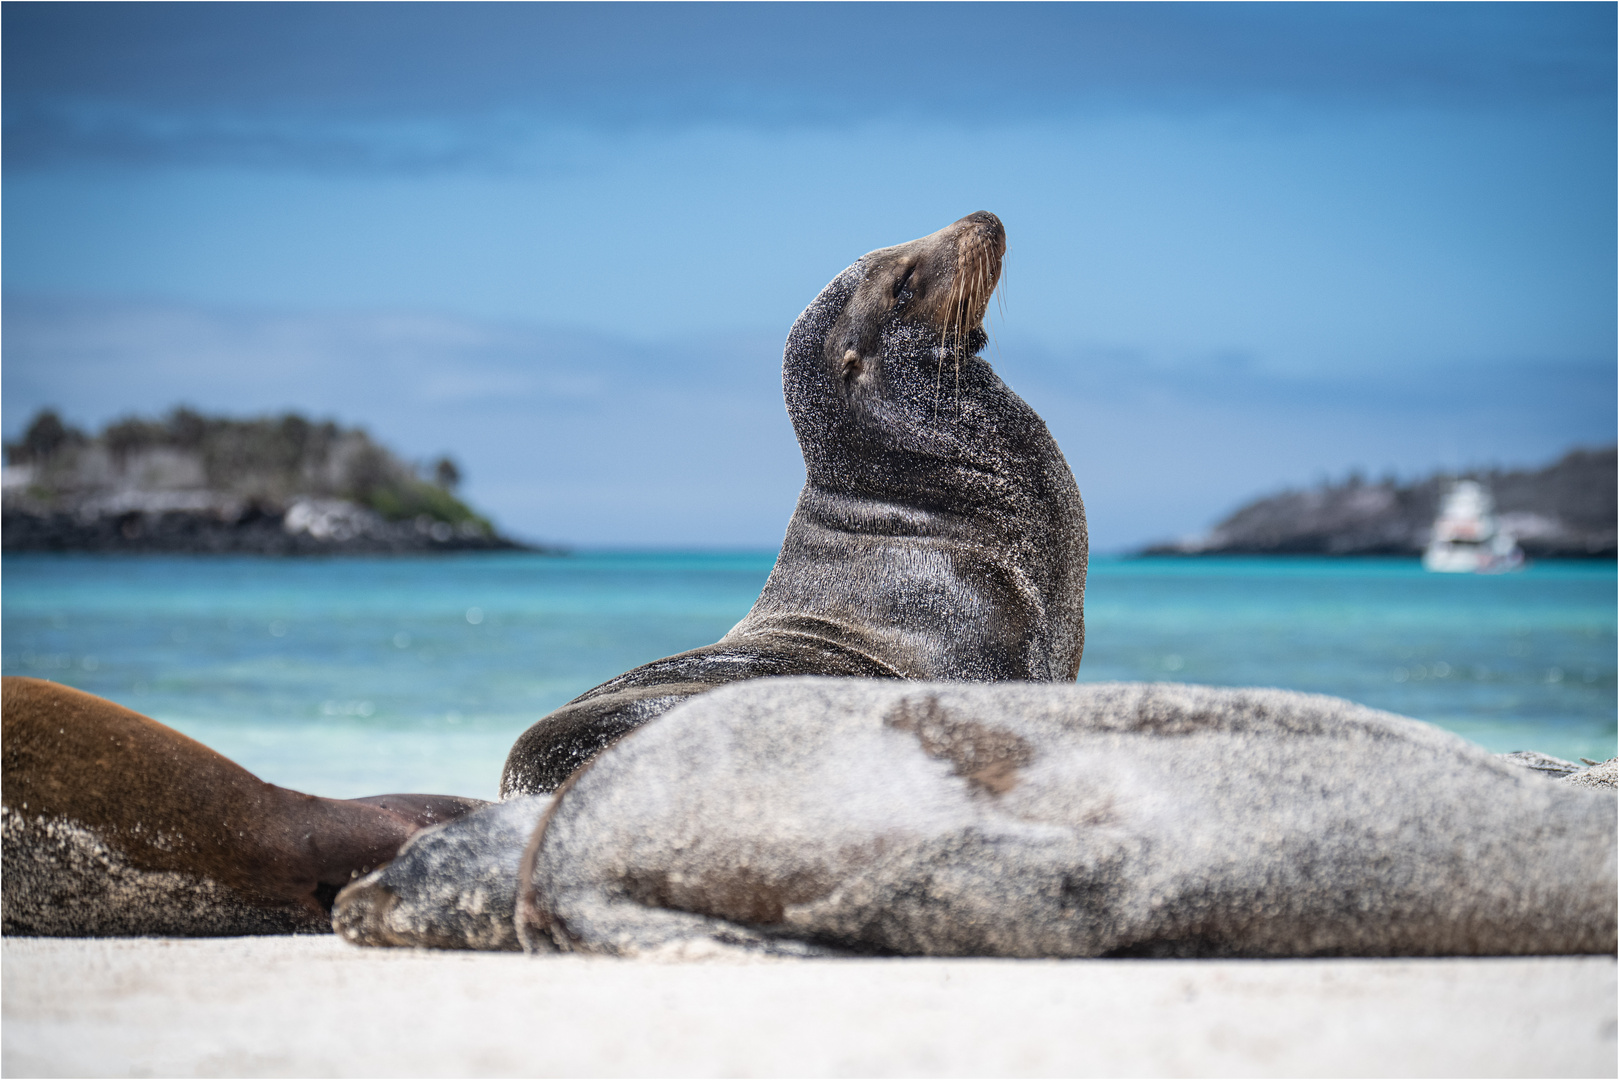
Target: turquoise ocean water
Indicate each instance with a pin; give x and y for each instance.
(355, 676)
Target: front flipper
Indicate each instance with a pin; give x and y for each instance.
(626, 928)
(567, 739)
(453, 886)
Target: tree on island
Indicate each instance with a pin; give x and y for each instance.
(270, 461)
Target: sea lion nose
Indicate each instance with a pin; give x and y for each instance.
(981, 233)
(987, 224)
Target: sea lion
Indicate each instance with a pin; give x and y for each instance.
(114, 824)
(453, 886)
(1063, 821)
(939, 534)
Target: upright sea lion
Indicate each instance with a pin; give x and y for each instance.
(114, 824)
(1060, 821)
(939, 534)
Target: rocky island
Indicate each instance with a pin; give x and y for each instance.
(194, 484)
(1564, 510)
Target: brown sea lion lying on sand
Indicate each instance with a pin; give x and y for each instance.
(114, 824)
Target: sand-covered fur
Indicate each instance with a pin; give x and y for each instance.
(1093, 820)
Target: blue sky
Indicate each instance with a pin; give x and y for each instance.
(1250, 245)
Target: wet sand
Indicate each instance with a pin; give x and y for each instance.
(295, 1006)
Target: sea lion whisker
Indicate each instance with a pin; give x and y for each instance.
(980, 276)
(962, 320)
(951, 336)
(938, 382)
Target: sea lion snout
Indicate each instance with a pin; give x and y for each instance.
(980, 243)
(980, 234)
(980, 247)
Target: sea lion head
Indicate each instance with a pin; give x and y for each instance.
(941, 283)
(885, 360)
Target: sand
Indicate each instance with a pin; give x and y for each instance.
(294, 1006)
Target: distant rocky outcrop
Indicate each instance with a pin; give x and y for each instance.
(190, 483)
(1565, 510)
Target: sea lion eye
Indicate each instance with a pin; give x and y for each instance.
(904, 280)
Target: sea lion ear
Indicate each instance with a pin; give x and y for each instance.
(858, 328)
(853, 365)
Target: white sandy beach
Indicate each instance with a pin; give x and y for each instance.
(316, 1006)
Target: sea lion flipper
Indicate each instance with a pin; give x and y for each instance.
(452, 886)
(1603, 774)
(622, 927)
(1544, 764)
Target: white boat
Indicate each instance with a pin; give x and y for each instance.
(1466, 537)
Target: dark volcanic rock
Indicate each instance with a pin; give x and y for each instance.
(1567, 509)
(254, 532)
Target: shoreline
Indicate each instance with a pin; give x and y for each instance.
(313, 1005)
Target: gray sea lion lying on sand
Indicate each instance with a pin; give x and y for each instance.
(1064, 821)
(1240, 743)
(113, 824)
(939, 534)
